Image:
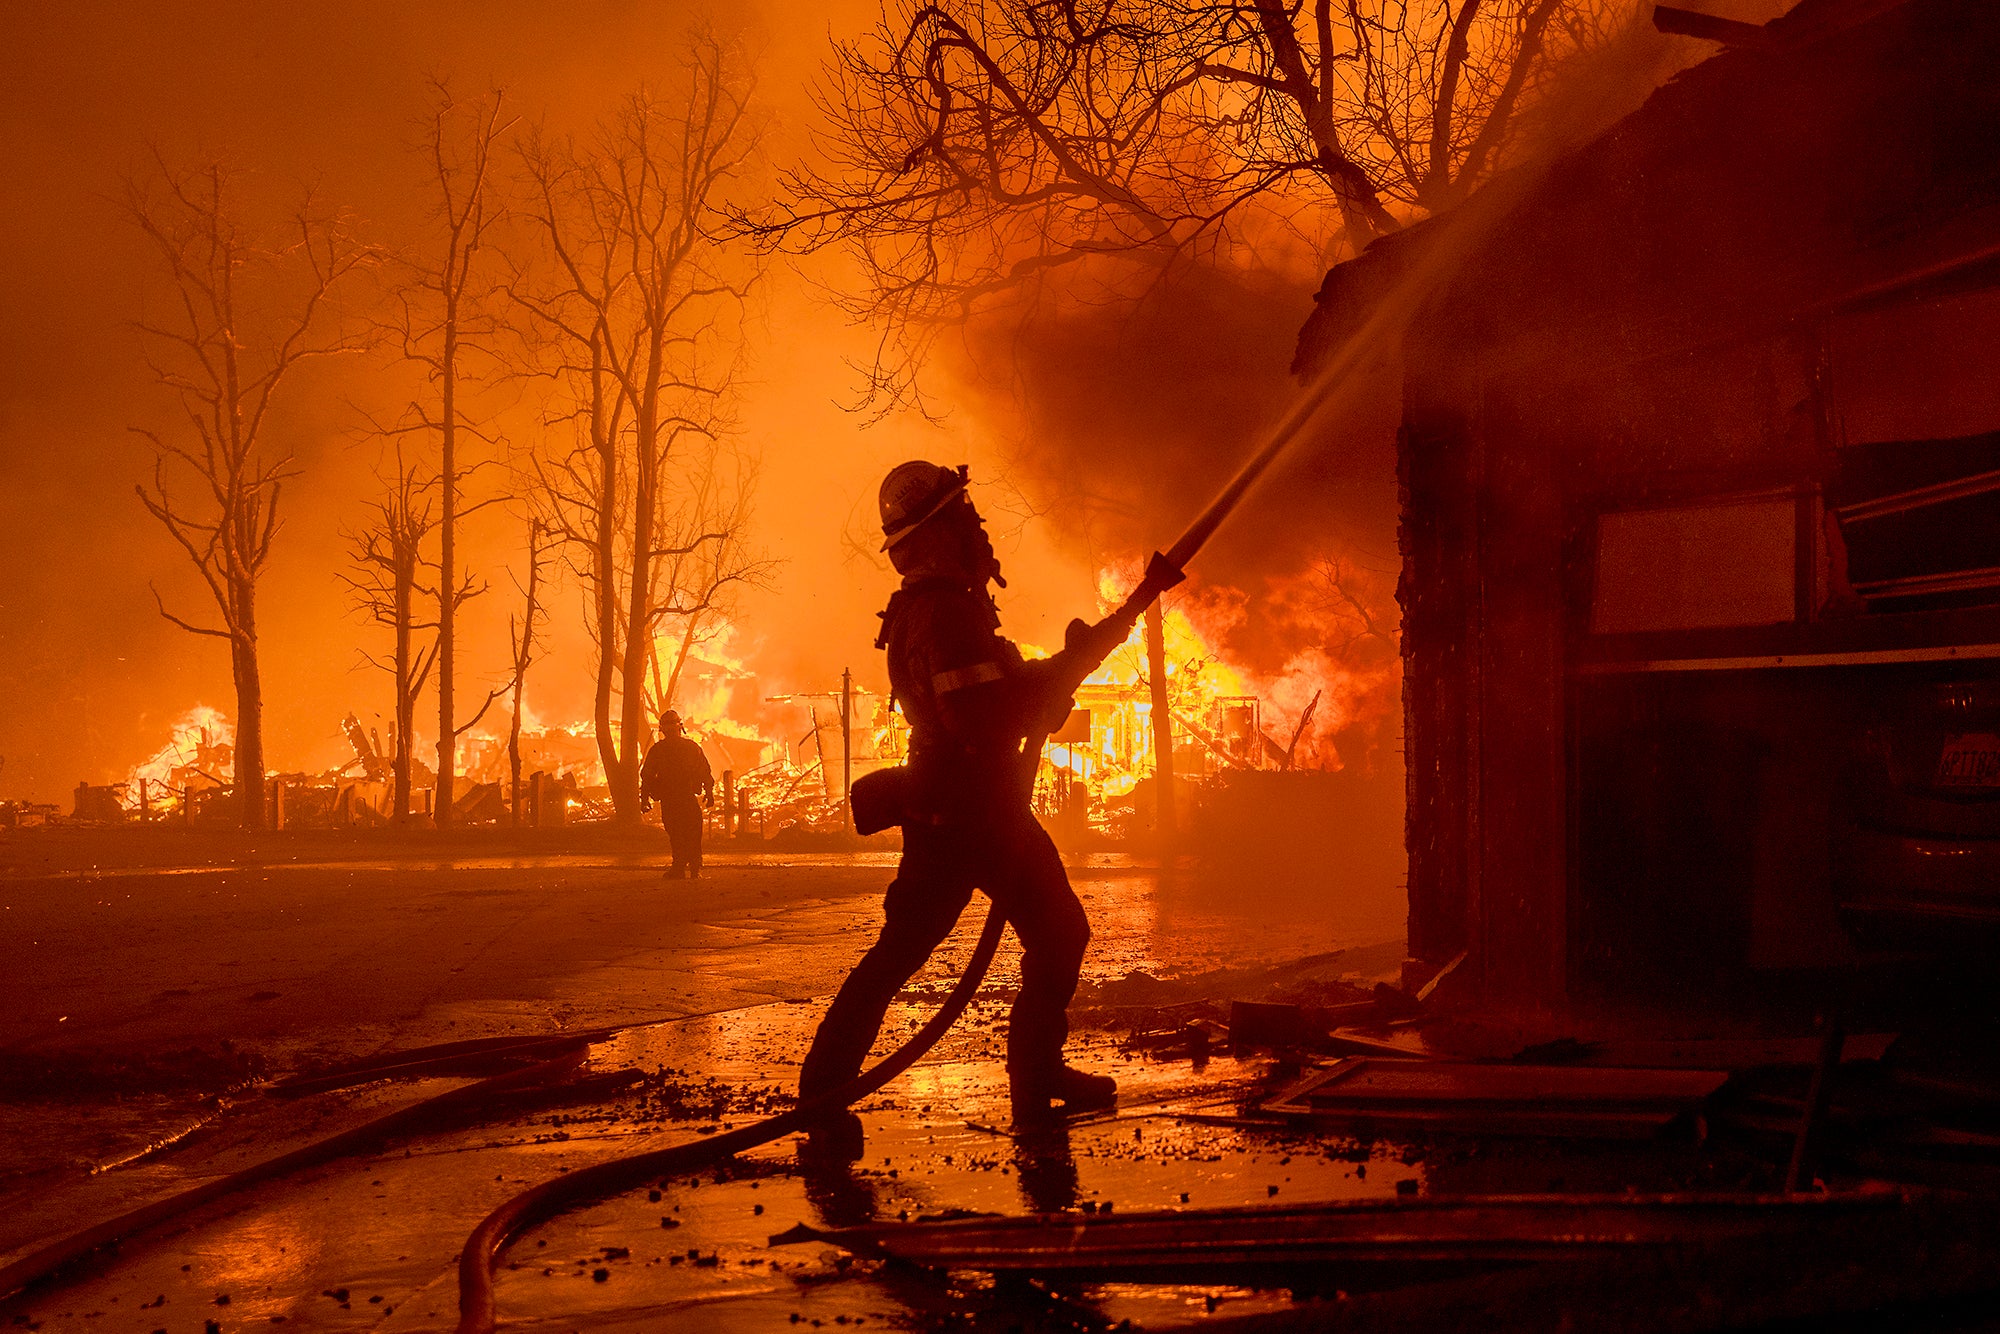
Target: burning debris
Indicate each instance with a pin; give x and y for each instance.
(184, 777)
(1097, 781)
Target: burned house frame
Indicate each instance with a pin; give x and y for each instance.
(1700, 477)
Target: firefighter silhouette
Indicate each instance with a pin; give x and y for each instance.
(972, 703)
(676, 775)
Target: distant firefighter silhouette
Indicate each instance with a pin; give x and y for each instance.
(676, 774)
(963, 799)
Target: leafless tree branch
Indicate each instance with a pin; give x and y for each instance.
(972, 150)
(244, 308)
(639, 302)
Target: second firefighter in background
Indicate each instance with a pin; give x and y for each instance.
(676, 774)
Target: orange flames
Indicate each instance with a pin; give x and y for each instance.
(709, 692)
(1340, 678)
(1305, 676)
(706, 691)
(200, 754)
(1118, 697)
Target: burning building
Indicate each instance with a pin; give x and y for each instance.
(184, 775)
(1700, 557)
(783, 762)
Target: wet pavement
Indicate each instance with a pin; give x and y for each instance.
(717, 986)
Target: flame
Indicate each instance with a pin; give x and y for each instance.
(201, 753)
(1341, 677)
(705, 694)
(1201, 688)
(1270, 681)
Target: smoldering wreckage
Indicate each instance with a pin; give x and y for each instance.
(1230, 756)
(1228, 768)
(1701, 584)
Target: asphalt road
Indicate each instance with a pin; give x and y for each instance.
(136, 990)
(312, 962)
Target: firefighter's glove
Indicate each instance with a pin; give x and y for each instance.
(1161, 574)
(1088, 645)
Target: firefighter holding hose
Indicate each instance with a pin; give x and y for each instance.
(978, 713)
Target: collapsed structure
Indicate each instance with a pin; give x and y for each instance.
(1700, 468)
(784, 761)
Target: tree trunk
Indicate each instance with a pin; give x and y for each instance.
(524, 653)
(514, 763)
(1163, 726)
(406, 698)
(447, 766)
(249, 775)
(606, 557)
(638, 632)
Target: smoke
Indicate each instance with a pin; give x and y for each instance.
(1122, 413)
(1121, 421)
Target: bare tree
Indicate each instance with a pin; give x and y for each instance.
(640, 302)
(1355, 606)
(523, 636)
(388, 562)
(975, 148)
(245, 309)
(442, 323)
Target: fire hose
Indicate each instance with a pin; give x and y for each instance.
(490, 1239)
(45, 1260)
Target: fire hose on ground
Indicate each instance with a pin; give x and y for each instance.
(45, 1260)
(523, 1210)
(498, 1229)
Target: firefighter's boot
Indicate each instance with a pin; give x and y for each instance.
(1075, 1090)
(834, 1141)
(835, 1137)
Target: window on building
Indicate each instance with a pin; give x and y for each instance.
(1696, 567)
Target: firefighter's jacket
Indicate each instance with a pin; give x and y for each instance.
(971, 701)
(675, 768)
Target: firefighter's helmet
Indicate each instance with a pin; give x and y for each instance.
(670, 722)
(915, 492)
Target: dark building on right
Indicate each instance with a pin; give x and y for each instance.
(1700, 466)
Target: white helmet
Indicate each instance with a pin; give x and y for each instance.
(915, 492)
